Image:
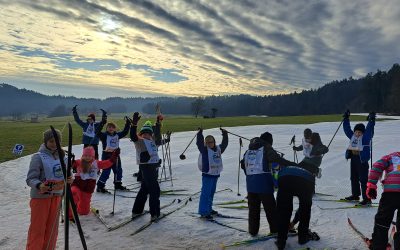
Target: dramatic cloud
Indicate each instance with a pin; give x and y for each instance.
(194, 47)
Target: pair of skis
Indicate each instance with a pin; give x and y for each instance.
(366, 240)
(68, 199)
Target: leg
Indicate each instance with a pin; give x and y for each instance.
(254, 203)
(305, 202)
(269, 203)
(383, 219)
(76, 195)
(213, 189)
(37, 228)
(141, 197)
(84, 205)
(354, 175)
(119, 170)
(150, 179)
(284, 207)
(105, 174)
(52, 223)
(363, 175)
(206, 190)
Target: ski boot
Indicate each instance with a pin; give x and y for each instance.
(365, 203)
(118, 186)
(214, 212)
(303, 239)
(102, 190)
(351, 198)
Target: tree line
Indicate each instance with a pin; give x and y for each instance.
(377, 92)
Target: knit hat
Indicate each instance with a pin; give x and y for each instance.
(307, 133)
(147, 128)
(359, 127)
(267, 137)
(92, 116)
(88, 151)
(48, 135)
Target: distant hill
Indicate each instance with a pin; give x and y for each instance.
(377, 92)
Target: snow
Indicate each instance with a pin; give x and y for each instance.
(181, 231)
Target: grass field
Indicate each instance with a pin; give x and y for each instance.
(30, 134)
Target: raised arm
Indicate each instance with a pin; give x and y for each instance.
(224, 143)
(125, 131)
(133, 130)
(200, 140)
(76, 117)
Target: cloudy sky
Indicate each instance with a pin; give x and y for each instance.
(93, 48)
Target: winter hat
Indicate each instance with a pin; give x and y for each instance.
(359, 127)
(48, 135)
(91, 115)
(307, 133)
(267, 137)
(147, 128)
(88, 151)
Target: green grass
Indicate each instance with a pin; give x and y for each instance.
(30, 134)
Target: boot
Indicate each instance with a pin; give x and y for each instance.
(102, 190)
(118, 186)
(352, 198)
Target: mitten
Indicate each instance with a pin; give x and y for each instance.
(371, 191)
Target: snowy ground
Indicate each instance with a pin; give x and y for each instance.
(181, 231)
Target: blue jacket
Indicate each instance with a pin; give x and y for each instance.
(297, 171)
(366, 139)
(86, 139)
(204, 153)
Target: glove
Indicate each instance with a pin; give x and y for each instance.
(294, 148)
(115, 155)
(371, 117)
(200, 130)
(346, 114)
(135, 118)
(371, 191)
(74, 109)
(224, 132)
(160, 118)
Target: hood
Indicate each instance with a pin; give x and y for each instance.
(256, 143)
(43, 149)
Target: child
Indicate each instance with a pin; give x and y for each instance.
(149, 162)
(85, 177)
(260, 186)
(358, 152)
(210, 164)
(46, 179)
(311, 163)
(305, 143)
(390, 200)
(110, 140)
(89, 127)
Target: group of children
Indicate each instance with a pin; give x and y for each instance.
(46, 179)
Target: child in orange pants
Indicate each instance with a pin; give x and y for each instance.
(46, 179)
(85, 178)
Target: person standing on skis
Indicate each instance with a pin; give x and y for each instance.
(89, 128)
(358, 152)
(390, 200)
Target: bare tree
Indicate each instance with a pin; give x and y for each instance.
(213, 112)
(198, 106)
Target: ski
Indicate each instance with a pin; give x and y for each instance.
(342, 200)
(231, 202)
(219, 216)
(213, 220)
(163, 215)
(366, 240)
(235, 207)
(132, 218)
(346, 207)
(254, 240)
(96, 212)
(322, 194)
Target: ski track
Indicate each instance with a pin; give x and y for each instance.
(181, 231)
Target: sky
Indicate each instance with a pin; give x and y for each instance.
(93, 48)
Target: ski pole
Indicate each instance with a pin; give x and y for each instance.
(240, 154)
(235, 134)
(115, 180)
(335, 133)
(182, 156)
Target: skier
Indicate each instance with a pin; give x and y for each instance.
(390, 200)
(210, 164)
(358, 152)
(46, 179)
(147, 157)
(110, 140)
(305, 143)
(311, 162)
(85, 177)
(260, 186)
(89, 127)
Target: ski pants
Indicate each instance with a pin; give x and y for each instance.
(358, 176)
(82, 201)
(105, 173)
(209, 185)
(388, 204)
(254, 202)
(290, 186)
(149, 187)
(96, 149)
(43, 230)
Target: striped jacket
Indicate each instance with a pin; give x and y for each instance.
(390, 164)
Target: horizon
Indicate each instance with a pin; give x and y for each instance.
(192, 48)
